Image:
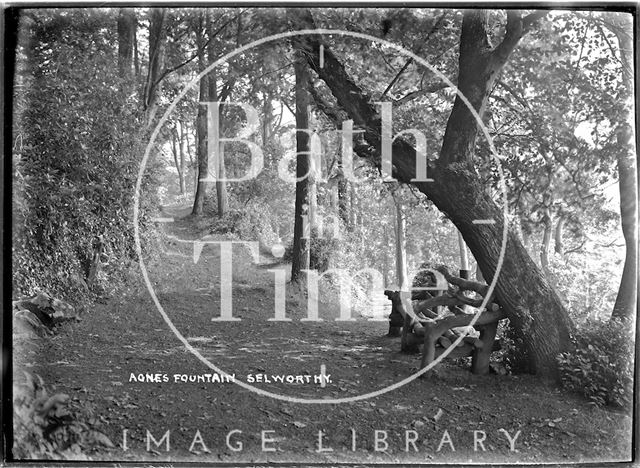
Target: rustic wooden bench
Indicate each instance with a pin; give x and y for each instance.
(419, 319)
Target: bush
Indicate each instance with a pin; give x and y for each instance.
(512, 355)
(251, 223)
(49, 427)
(600, 365)
(76, 167)
(321, 250)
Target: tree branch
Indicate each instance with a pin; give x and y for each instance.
(416, 94)
(516, 27)
(195, 55)
(410, 59)
(523, 102)
(463, 284)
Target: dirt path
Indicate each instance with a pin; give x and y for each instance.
(93, 361)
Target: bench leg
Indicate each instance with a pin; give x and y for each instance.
(407, 342)
(481, 356)
(428, 349)
(395, 323)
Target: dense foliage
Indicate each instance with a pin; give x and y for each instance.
(50, 426)
(601, 365)
(77, 131)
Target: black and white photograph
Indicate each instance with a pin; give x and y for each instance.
(320, 234)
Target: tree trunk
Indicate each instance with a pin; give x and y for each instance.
(176, 158)
(192, 164)
(401, 246)
(157, 39)
(301, 251)
(534, 309)
(222, 196)
(126, 41)
(313, 206)
(546, 241)
(313, 189)
(181, 173)
(343, 194)
(343, 202)
(385, 257)
(559, 243)
(353, 206)
(187, 142)
(626, 301)
(201, 130)
(465, 272)
(267, 119)
(333, 196)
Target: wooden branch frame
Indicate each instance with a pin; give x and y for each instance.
(423, 326)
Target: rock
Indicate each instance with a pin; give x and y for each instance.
(43, 310)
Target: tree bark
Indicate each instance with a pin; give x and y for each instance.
(301, 250)
(465, 272)
(222, 197)
(192, 164)
(127, 25)
(183, 166)
(342, 189)
(401, 245)
(313, 195)
(385, 256)
(353, 206)
(558, 236)
(201, 128)
(626, 302)
(343, 202)
(157, 39)
(533, 307)
(175, 143)
(267, 119)
(546, 241)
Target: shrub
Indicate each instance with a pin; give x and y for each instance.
(49, 427)
(251, 223)
(76, 167)
(321, 250)
(600, 365)
(512, 355)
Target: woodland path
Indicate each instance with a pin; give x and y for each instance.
(92, 361)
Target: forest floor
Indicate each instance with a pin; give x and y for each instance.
(93, 362)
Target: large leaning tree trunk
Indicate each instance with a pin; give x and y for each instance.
(534, 309)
